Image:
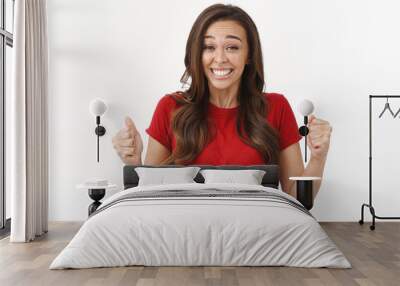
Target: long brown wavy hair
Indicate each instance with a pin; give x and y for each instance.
(190, 122)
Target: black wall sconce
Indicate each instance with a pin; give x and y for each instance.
(97, 107)
(306, 107)
(304, 185)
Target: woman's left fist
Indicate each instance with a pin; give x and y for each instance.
(319, 137)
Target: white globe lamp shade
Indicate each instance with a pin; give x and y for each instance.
(306, 107)
(97, 107)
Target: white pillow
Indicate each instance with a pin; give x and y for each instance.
(249, 177)
(162, 176)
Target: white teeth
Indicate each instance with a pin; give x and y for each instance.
(221, 72)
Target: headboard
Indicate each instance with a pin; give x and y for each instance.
(270, 179)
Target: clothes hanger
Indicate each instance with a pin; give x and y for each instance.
(387, 107)
(398, 111)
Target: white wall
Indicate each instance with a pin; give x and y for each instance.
(130, 53)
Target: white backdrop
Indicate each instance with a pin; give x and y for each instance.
(130, 53)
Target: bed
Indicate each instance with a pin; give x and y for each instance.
(201, 224)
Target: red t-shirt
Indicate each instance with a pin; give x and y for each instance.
(226, 148)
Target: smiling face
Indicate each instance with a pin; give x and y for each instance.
(225, 53)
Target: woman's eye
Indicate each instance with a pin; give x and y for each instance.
(229, 48)
(232, 48)
(208, 47)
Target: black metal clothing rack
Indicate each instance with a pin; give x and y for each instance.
(369, 205)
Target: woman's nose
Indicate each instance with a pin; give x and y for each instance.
(220, 56)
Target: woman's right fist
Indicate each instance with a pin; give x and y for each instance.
(128, 143)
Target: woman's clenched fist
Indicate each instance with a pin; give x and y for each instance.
(128, 143)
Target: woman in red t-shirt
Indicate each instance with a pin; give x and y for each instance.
(224, 117)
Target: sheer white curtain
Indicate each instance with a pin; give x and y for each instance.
(29, 143)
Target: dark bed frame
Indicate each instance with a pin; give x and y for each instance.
(270, 179)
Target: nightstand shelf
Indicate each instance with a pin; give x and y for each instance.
(304, 190)
(96, 193)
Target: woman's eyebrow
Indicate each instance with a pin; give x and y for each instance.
(226, 37)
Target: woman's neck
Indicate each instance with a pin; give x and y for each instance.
(227, 98)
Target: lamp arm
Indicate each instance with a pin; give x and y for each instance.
(98, 145)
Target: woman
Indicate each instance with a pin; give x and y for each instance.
(224, 117)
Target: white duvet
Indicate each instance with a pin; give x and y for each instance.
(200, 231)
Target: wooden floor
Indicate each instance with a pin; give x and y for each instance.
(374, 255)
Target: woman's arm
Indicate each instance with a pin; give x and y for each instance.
(291, 162)
(291, 165)
(156, 152)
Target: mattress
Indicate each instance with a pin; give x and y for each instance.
(201, 225)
